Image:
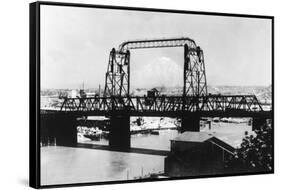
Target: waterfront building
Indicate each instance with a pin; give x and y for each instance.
(197, 153)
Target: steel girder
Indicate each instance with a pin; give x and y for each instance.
(157, 43)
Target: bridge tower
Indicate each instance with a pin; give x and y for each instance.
(195, 83)
(117, 83)
(117, 79)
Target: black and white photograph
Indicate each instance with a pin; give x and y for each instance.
(138, 94)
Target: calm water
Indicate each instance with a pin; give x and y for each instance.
(61, 165)
(64, 165)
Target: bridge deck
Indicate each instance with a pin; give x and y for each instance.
(169, 106)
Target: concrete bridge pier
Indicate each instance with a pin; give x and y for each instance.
(59, 129)
(258, 123)
(119, 134)
(190, 123)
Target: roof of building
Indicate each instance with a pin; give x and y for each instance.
(193, 136)
(201, 137)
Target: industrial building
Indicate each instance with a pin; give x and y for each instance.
(197, 153)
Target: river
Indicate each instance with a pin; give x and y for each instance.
(66, 165)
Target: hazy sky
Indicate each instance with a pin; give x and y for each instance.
(76, 42)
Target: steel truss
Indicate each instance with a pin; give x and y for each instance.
(163, 104)
(117, 79)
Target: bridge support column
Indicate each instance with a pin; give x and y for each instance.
(258, 123)
(59, 129)
(46, 135)
(119, 135)
(191, 123)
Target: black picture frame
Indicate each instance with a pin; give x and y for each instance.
(34, 88)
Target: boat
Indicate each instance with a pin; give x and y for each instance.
(93, 135)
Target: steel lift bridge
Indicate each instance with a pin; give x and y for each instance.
(195, 102)
(118, 71)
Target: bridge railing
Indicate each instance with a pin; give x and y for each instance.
(164, 103)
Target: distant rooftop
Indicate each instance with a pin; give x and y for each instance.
(100, 118)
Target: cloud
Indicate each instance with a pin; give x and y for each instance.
(161, 71)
